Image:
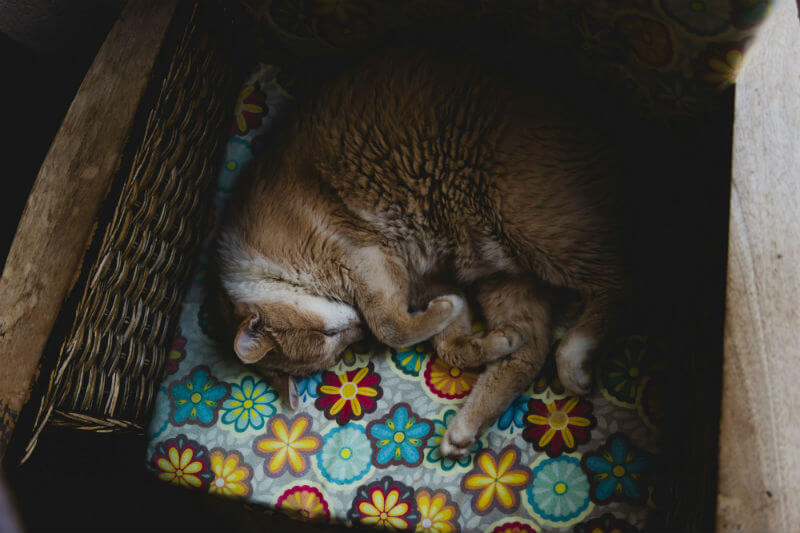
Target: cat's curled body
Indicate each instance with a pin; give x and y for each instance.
(403, 179)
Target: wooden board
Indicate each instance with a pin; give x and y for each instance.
(77, 173)
(759, 461)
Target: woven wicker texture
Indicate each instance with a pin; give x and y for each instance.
(110, 365)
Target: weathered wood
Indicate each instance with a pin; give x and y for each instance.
(76, 175)
(759, 461)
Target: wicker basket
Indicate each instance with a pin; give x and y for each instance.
(118, 321)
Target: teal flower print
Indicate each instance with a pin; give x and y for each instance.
(237, 155)
(560, 490)
(616, 471)
(345, 455)
(434, 454)
(307, 386)
(249, 405)
(196, 399)
(410, 360)
(700, 17)
(513, 416)
(398, 437)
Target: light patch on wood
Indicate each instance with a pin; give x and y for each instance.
(759, 464)
(56, 224)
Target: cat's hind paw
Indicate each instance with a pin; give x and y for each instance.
(573, 360)
(446, 307)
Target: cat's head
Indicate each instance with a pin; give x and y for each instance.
(282, 327)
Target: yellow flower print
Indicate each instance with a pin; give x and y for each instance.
(183, 462)
(384, 510)
(723, 72)
(286, 444)
(385, 503)
(436, 513)
(496, 480)
(231, 474)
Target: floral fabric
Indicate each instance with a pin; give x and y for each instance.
(671, 57)
(363, 447)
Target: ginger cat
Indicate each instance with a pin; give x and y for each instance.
(403, 179)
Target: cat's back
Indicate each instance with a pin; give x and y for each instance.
(435, 149)
(432, 134)
(413, 133)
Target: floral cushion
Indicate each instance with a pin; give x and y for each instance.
(670, 57)
(363, 447)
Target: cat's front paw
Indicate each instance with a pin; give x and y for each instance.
(458, 439)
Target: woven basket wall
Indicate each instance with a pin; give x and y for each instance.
(109, 365)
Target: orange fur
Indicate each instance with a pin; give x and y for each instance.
(415, 168)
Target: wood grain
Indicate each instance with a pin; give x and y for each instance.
(759, 462)
(77, 173)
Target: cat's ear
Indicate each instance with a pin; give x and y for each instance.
(250, 344)
(287, 389)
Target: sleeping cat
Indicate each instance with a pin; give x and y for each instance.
(403, 179)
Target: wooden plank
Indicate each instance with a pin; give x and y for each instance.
(77, 173)
(759, 461)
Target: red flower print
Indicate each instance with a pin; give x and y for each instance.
(251, 106)
(349, 396)
(447, 381)
(304, 503)
(649, 39)
(514, 527)
(177, 352)
(559, 426)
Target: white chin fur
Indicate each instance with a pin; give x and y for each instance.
(335, 315)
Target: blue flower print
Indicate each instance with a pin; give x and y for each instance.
(258, 143)
(410, 360)
(237, 155)
(616, 470)
(434, 451)
(513, 416)
(197, 398)
(345, 454)
(560, 491)
(397, 437)
(307, 386)
(629, 361)
(249, 405)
